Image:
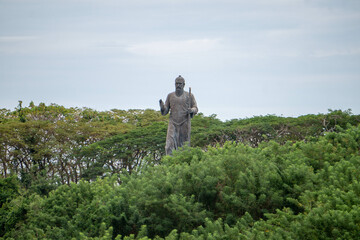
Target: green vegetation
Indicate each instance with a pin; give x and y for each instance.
(70, 173)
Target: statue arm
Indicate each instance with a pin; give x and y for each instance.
(164, 108)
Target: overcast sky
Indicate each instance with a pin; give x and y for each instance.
(240, 58)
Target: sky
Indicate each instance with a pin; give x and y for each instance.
(240, 58)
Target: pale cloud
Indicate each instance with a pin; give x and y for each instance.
(11, 39)
(61, 43)
(336, 52)
(162, 48)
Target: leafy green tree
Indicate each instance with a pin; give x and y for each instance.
(265, 177)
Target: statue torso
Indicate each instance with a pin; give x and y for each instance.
(178, 107)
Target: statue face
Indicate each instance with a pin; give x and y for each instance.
(179, 85)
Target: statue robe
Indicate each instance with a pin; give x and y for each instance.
(178, 128)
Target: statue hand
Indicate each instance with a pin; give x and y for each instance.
(162, 106)
(190, 111)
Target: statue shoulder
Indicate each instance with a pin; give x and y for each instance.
(190, 94)
(171, 94)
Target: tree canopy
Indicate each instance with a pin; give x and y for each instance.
(70, 173)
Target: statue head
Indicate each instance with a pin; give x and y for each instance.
(179, 84)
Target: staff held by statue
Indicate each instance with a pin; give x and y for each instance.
(189, 117)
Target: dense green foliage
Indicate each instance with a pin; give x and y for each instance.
(53, 141)
(83, 174)
(63, 145)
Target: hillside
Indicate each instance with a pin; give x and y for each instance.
(82, 174)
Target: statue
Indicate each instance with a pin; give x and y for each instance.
(182, 107)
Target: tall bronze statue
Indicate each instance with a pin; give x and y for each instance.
(182, 107)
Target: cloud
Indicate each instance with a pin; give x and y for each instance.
(11, 39)
(336, 52)
(161, 48)
(61, 43)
